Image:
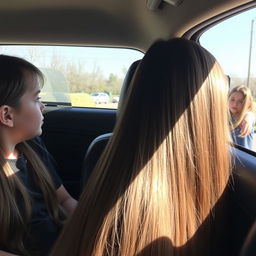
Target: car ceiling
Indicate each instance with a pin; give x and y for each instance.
(127, 23)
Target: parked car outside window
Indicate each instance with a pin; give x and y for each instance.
(100, 97)
(115, 99)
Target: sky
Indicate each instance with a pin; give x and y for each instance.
(229, 42)
(107, 60)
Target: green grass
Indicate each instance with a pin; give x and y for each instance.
(81, 100)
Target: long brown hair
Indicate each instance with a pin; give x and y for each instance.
(166, 165)
(13, 219)
(247, 103)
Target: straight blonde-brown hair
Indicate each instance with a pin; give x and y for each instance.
(15, 210)
(166, 165)
(247, 103)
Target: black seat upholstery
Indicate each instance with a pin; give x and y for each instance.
(249, 248)
(98, 144)
(242, 210)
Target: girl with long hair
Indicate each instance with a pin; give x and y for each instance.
(166, 165)
(240, 102)
(34, 203)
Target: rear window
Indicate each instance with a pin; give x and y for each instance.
(78, 76)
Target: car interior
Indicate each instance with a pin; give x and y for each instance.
(76, 135)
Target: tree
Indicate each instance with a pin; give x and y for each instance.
(113, 84)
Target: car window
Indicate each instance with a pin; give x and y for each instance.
(233, 43)
(78, 76)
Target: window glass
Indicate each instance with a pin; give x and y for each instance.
(79, 76)
(233, 43)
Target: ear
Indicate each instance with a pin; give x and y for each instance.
(6, 115)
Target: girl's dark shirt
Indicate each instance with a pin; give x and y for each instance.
(42, 231)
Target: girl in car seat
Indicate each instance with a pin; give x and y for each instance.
(34, 203)
(242, 117)
(154, 189)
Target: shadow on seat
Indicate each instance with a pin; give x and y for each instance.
(99, 143)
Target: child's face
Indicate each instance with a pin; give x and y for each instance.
(28, 117)
(235, 103)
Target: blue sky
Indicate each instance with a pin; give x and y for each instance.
(229, 42)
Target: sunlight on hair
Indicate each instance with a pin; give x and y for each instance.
(7, 169)
(221, 82)
(158, 187)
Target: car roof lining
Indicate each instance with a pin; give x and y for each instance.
(114, 23)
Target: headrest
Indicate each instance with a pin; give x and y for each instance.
(127, 82)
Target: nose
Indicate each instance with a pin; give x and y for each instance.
(42, 107)
(236, 104)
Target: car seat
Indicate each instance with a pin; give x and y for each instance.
(97, 146)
